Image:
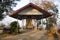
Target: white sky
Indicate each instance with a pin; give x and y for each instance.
(24, 2)
(20, 4)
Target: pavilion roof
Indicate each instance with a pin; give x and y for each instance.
(31, 5)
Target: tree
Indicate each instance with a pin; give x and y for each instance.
(6, 6)
(14, 27)
(52, 8)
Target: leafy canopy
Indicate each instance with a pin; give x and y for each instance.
(6, 6)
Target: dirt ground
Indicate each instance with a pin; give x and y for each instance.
(32, 35)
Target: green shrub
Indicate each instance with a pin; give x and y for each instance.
(14, 27)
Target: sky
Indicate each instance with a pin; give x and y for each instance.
(22, 3)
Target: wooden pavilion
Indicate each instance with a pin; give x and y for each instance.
(29, 12)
